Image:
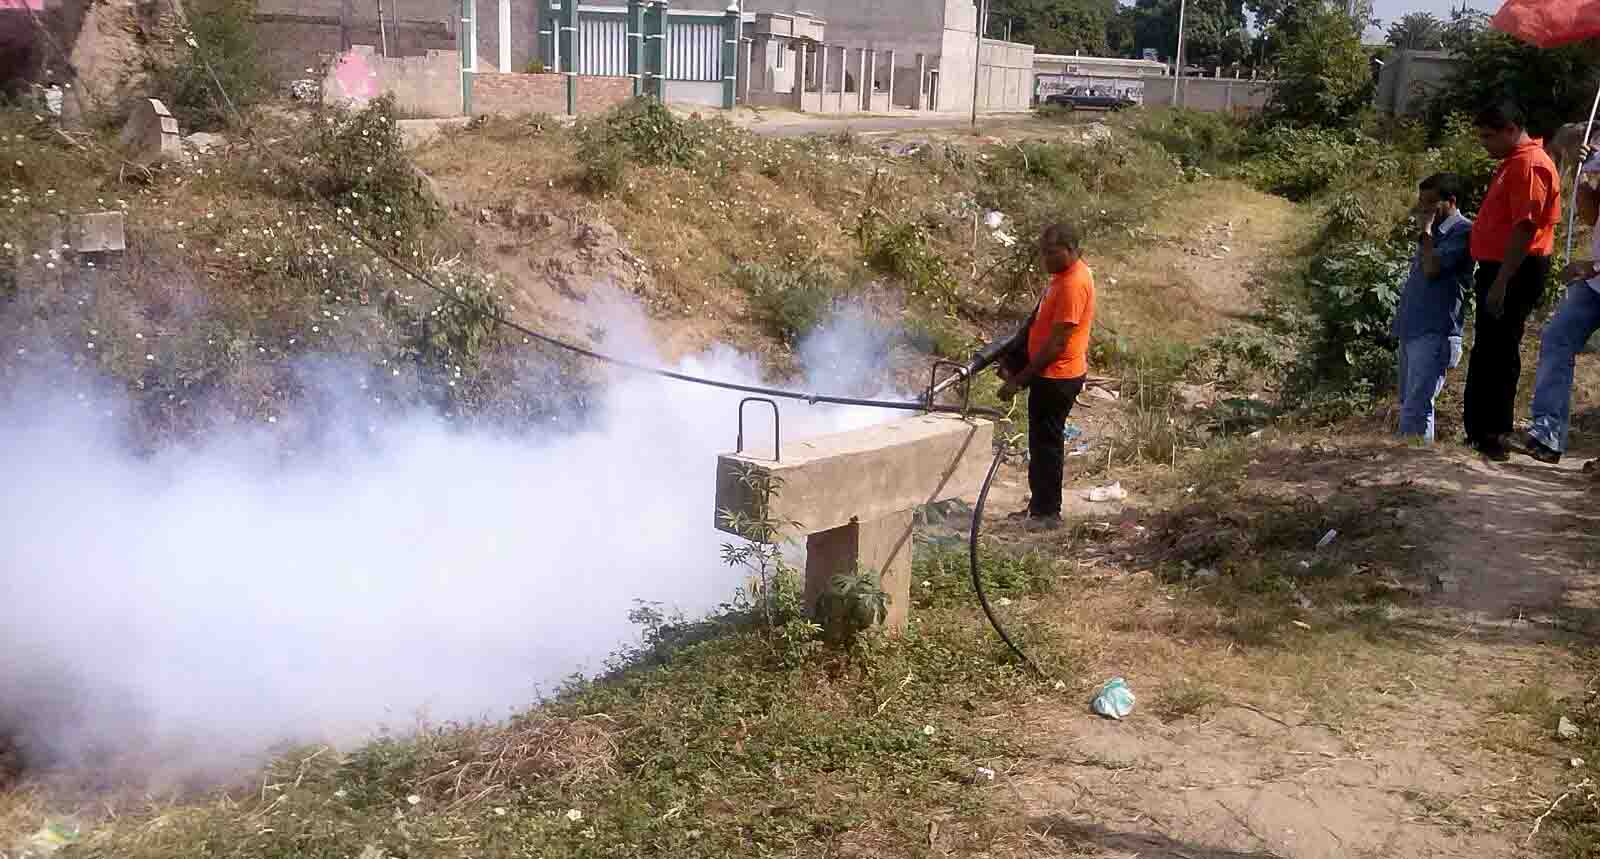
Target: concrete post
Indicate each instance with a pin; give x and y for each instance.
(871, 85)
(469, 51)
(730, 57)
(861, 81)
(891, 80)
(855, 494)
(569, 52)
(505, 37)
(822, 79)
(800, 58)
(635, 29)
(922, 82)
(882, 545)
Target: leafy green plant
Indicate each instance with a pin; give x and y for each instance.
(774, 590)
(222, 35)
(904, 250)
(1212, 141)
(936, 335)
(358, 162)
(852, 605)
(789, 301)
(602, 167)
(650, 134)
(1299, 162)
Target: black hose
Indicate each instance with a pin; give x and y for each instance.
(977, 577)
(900, 405)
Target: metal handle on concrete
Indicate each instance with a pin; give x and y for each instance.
(777, 426)
(935, 387)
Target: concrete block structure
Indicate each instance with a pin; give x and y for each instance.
(97, 233)
(1217, 95)
(853, 495)
(1410, 77)
(425, 86)
(151, 133)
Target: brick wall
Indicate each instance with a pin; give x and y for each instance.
(517, 94)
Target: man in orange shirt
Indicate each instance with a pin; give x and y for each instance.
(1058, 363)
(1513, 239)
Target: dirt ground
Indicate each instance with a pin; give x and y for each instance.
(1434, 738)
(1430, 733)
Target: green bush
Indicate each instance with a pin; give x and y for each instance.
(905, 250)
(648, 132)
(357, 162)
(602, 167)
(938, 336)
(788, 301)
(221, 33)
(1300, 162)
(1458, 151)
(1199, 139)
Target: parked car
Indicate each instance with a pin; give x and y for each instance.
(1089, 100)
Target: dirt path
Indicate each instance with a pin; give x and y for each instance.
(1428, 733)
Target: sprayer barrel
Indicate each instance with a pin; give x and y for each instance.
(947, 384)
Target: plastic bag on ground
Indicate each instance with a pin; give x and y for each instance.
(1115, 699)
(1114, 492)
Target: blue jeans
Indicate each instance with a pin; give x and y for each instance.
(1564, 335)
(1423, 362)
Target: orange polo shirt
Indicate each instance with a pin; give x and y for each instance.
(1527, 187)
(1069, 298)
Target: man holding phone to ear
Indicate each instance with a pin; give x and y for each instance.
(1569, 329)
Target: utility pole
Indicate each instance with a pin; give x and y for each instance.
(383, 31)
(977, 55)
(1177, 62)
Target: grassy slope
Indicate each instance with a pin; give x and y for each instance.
(731, 747)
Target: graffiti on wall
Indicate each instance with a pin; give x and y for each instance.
(1129, 88)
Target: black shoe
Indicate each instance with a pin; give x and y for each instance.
(1493, 450)
(1541, 451)
(1042, 523)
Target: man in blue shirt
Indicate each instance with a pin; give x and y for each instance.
(1428, 321)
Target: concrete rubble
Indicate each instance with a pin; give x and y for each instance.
(151, 134)
(203, 142)
(97, 232)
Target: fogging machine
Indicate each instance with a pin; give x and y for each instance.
(1009, 352)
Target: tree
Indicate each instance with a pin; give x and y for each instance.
(1055, 26)
(1122, 38)
(1280, 21)
(1213, 30)
(1324, 75)
(1553, 86)
(1466, 24)
(1417, 31)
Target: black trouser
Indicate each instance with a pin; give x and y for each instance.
(1496, 364)
(1049, 404)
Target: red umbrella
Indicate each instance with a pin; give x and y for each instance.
(1549, 23)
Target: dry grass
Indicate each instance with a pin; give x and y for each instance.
(467, 764)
